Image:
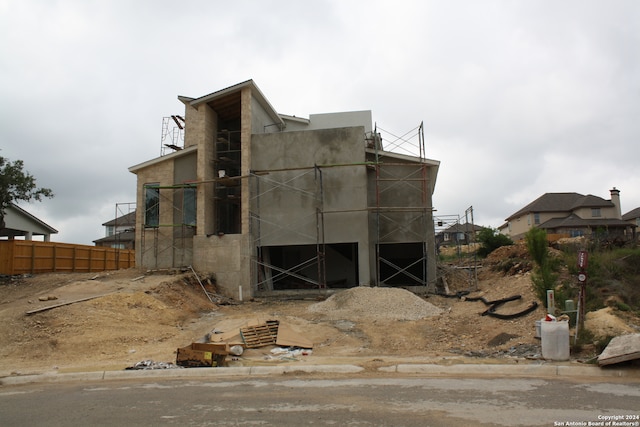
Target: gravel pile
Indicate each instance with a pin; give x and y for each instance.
(375, 303)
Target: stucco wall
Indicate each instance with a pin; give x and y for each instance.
(287, 200)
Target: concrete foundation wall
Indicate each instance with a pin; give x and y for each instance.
(228, 259)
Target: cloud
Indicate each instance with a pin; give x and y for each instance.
(517, 98)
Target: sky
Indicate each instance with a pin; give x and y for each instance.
(517, 98)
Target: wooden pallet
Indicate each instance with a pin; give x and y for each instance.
(260, 335)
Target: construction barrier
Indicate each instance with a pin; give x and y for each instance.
(33, 257)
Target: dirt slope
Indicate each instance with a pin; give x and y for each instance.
(135, 317)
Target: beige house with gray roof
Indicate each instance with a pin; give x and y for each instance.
(570, 214)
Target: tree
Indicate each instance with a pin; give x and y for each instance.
(490, 240)
(17, 184)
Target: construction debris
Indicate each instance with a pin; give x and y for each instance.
(150, 364)
(287, 354)
(622, 348)
(202, 355)
(252, 334)
(256, 333)
(260, 335)
(37, 310)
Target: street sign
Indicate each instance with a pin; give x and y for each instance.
(582, 277)
(583, 260)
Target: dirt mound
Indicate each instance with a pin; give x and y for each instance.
(603, 323)
(376, 303)
(518, 250)
(114, 318)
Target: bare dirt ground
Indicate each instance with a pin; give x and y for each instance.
(128, 316)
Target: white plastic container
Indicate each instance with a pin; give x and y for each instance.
(555, 340)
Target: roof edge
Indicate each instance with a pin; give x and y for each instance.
(135, 168)
(34, 218)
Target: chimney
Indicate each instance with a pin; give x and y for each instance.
(615, 199)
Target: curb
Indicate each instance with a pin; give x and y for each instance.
(54, 377)
(513, 370)
(423, 369)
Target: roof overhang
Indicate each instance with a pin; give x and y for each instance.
(157, 160)
(255, 91)
(14, 209)
(434, 165)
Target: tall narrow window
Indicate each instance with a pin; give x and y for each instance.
(151, 205)
(536, 218)
(189, 206)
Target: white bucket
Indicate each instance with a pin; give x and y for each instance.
(555, 340)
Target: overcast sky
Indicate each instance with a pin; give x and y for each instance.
(518, 98)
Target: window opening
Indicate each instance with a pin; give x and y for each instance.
(152, 205)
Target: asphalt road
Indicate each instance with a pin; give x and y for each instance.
(306, 400)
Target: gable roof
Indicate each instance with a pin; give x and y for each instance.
(126, 219)
(229, 96)
(562, 202)
(124, 237)
(633, 214)
(17, 220)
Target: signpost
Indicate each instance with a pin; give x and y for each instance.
(583, 262)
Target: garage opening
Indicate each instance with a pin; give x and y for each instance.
(402, 264)
(299, 266)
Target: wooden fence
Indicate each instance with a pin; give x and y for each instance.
(32, 257)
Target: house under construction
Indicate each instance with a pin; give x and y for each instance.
(268, 202)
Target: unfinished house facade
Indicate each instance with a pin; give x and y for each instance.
(268, 202)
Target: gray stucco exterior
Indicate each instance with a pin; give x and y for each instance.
(286, 203)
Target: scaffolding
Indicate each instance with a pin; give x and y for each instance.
(304, 184)
(168, 244)
(412, 220)
(457, 254)
(396, 229)
(123, 210)
(172, 138)
(227, 189)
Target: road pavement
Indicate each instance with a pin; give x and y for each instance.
(297, 399)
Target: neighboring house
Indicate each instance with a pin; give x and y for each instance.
(119, 232)
(570, 214)
(269, 202)
(633, 217)
(20, 223)
(455, 234)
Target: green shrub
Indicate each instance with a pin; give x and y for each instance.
(490, 240)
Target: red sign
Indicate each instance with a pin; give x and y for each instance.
(583, 259)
